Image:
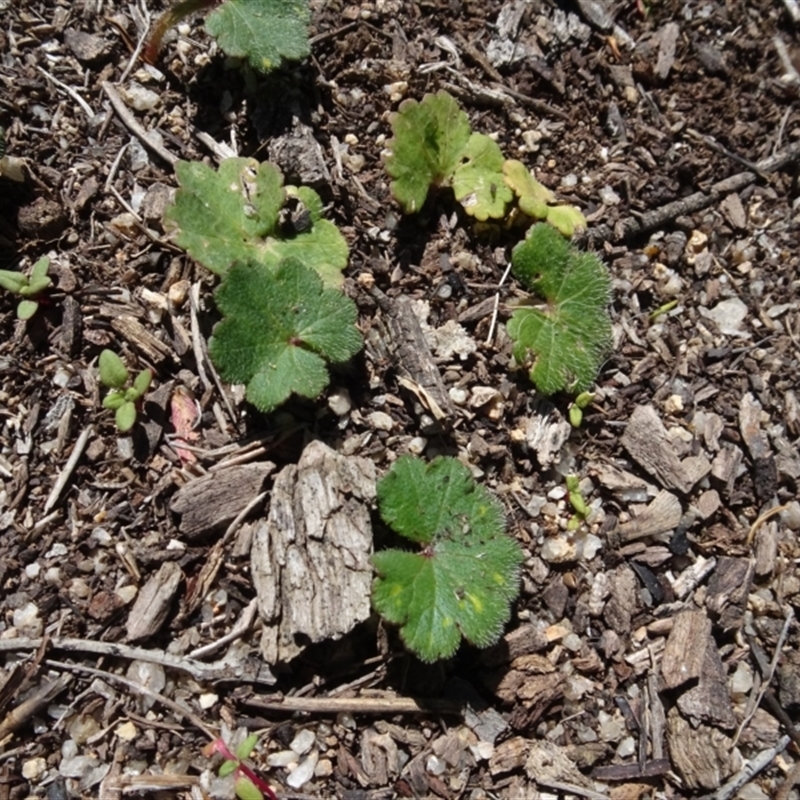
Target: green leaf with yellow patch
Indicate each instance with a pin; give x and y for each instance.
(462, 580)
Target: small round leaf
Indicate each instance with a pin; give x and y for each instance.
(125, 417)
(113, 373)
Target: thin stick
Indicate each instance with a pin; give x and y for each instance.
(357, 705)
(496, 306)
(243, 624)
(21, 713)
(64, 476)
(110, 677)
(767, 678)
(88, 110)
(749, 771)
(133, 125)
(142, 9)
(214, 672)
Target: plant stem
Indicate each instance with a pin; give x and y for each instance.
(171, 17)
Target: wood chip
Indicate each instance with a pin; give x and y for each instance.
(310, 558)
(648, 443)
(728, 590)
(153, 602)
(702, 755)
(685, 650)
(209, 503)
(661, 515)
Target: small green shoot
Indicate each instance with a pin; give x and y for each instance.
(234, 214)
(565, 338)
(538, 202)
(265, 32)
(663, 309)
(577, 502)
(27, 287)
(466, 574)
(583, 400)
(247, 784)
(123, 398)
(433, 145)
(279, 328)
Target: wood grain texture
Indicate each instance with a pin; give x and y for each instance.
(310, 558)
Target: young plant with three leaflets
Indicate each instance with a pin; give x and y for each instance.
(434, 145)
(247, 785)
(27, 287)
(465, 575)
(563, 333)
(123, 398)
(265, 32)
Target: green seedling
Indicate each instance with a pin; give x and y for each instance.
(238, 213)
(465, 574)
(536, 201)
(27, 287)
(661, 310)
(433, 145)
(583, 400)
(565, 337)
(279, 328)
(577, 502)
(247, 784)
(265, 32)
(123, 398)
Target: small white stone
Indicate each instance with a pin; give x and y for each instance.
(127, 593)
(53, 575)
(127, 731)
(303, 741)
(609, 196)
(208, 700)
(435, 765)
(557, 550)
(304, 771)
(729, 315)
(33, 570)
(283, 758)
(139, 98)
(627, 747)
(417, 445)
(26, 620)
(324, 768)
(340, 402)
(34, 768)
(458, 395)
(791, 515)
(381, 421)
(741, 682)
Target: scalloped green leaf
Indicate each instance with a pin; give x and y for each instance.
(462, 582)
(478, 180)
(265, 32)
(280, 328)
(429, 141)
(566, 338)
(233, 214)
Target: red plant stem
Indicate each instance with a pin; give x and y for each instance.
(169, 18)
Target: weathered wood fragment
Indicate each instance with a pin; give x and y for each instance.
(153, 602)
(702, 755)
(765, 471)
(662, 514)
(310, 558)
(710, 700)
(648, 443)
(213, 501)
(685, 649)
(728, 589)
